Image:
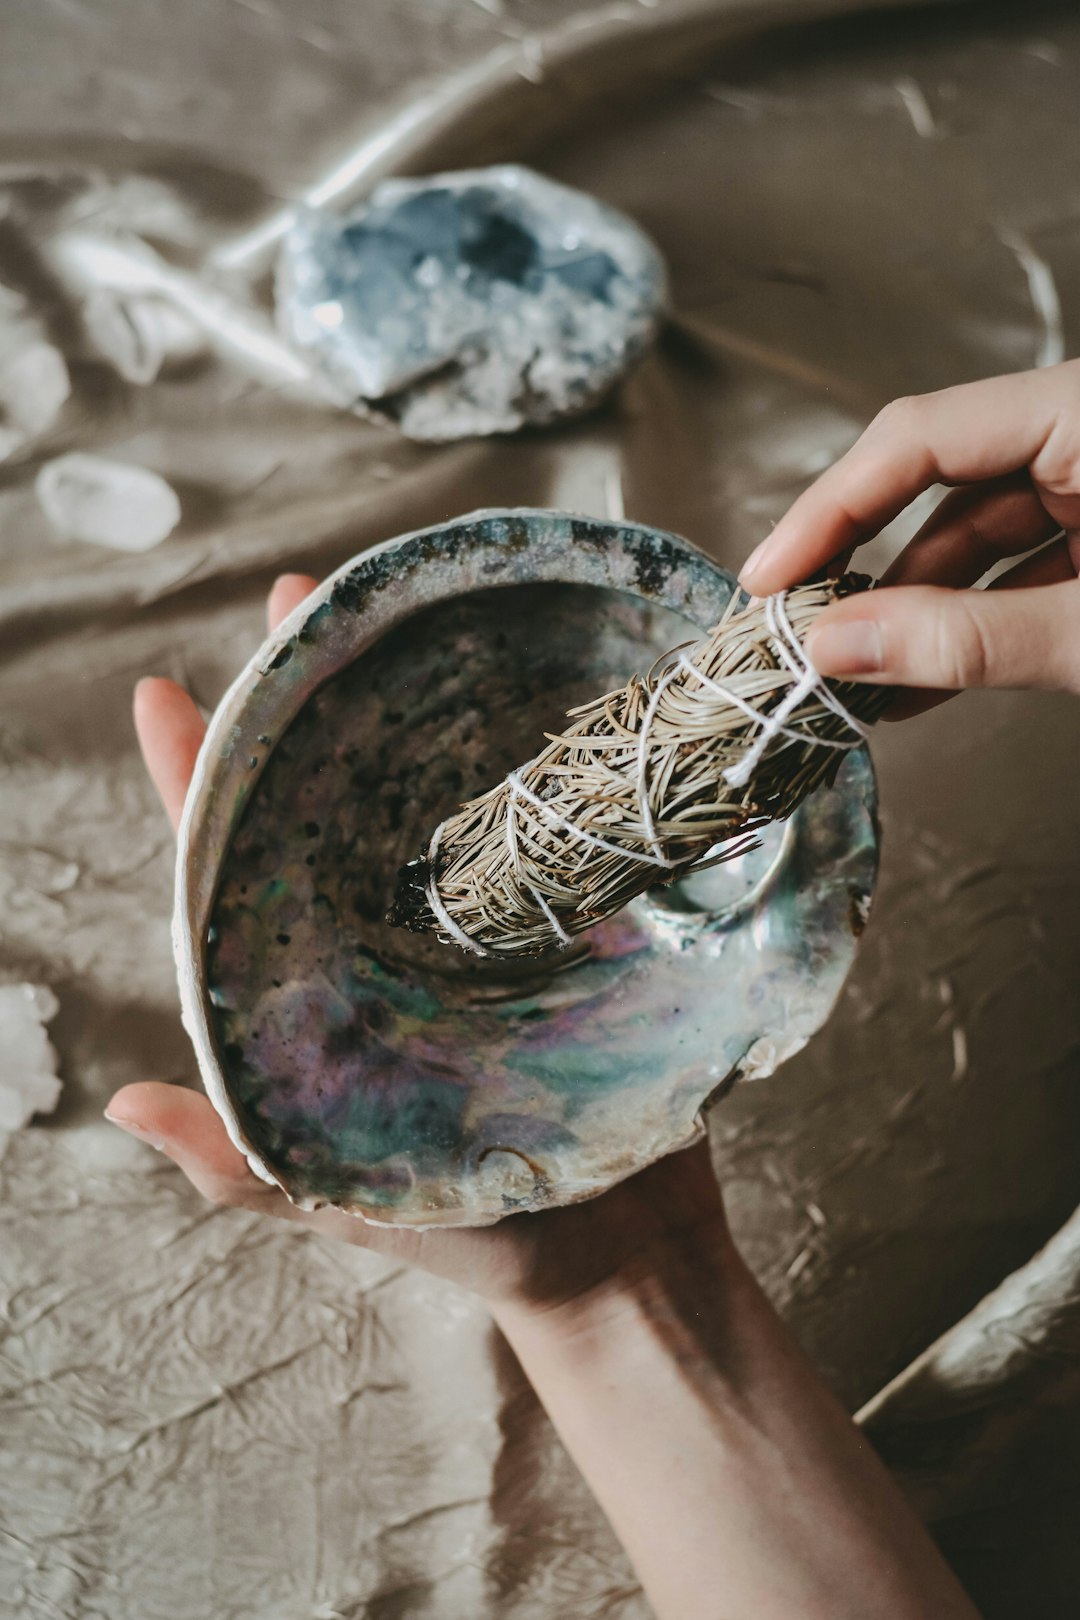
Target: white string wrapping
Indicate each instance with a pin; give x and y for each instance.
(511, 839)
(808, 682)
(518, 788)
(645, 784)
(442, 916)
(643, 768)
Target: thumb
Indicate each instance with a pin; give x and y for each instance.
(926, 636)
(185, 1126)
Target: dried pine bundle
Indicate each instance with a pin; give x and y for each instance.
(671, 773)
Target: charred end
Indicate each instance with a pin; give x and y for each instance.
(410, 908)
(851, 584)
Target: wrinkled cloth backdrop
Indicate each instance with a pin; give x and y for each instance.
(203, 1414)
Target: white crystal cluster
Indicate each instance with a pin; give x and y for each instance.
(29, 1083)
(471, 303)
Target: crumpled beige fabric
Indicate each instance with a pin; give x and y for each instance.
(202, 1415)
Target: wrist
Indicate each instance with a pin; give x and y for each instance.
(660, 1288)
(718, 1456)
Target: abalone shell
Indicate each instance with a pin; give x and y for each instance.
(394, 1076)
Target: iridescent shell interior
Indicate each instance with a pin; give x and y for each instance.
(397, 1077)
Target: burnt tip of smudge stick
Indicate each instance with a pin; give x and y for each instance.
(410, 908)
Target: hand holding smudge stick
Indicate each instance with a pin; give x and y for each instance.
(723, 736)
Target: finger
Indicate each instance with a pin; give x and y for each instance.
(170, 730)
(1051, 566)
(186, 1127)
(182, 1123)
(286, 593)
(958, 435)
(972, 529)
(926, 636)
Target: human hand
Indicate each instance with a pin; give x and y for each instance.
(558, 1259)
(721, 1460)
(1012, 445)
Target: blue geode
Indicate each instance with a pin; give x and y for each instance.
(471, 303)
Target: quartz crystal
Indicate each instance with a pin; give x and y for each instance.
(28, 1080)
(471, 303)
(109, 503)
(140, 335)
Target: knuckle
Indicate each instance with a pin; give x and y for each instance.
(1065, 381)
(963, 651)
(220, 1192)
(1057, 465)
(251, 1195)
(230, 1192)
(897, 418)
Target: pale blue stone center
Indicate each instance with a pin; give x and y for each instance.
(471, 303)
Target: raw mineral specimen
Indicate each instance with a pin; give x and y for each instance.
(109, 503)
(471, 303)
(28, 1080)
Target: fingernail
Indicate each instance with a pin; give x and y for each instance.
(854, 648)
(138, 1131)
(754, 561)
